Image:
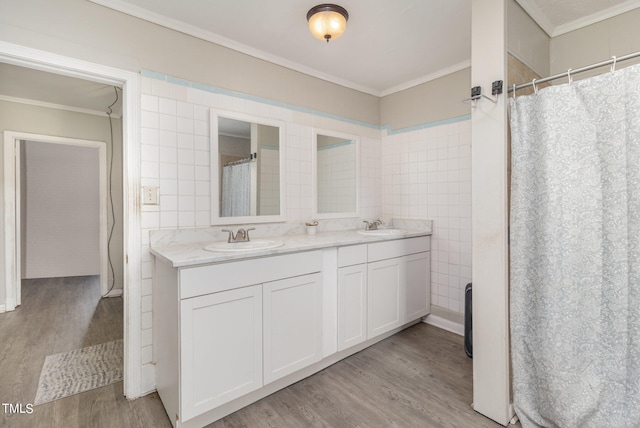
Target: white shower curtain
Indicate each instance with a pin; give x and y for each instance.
(575, 253)
(236, 190)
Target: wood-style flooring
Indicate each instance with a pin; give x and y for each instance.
(420, 377)
(60, 315)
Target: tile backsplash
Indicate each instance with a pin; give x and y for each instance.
(420, 174)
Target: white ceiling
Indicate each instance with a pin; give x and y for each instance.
(388, 45)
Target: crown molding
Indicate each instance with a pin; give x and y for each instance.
(176, 25)
(37, 103)
(552, 30)
(433, 76)
(596, 17)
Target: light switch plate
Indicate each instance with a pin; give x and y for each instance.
(150, 195)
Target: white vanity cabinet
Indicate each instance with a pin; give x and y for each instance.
(352, 296)
(382, 286)
(221, 344)
(292, 325)
(386, 296)
(222, 331)
(228, 333)
(399, 286)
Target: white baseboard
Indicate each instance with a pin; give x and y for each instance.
(444, 324)
(147, 379)
(2, 309)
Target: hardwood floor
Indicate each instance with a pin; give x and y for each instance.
(420, 377)
(59, 315)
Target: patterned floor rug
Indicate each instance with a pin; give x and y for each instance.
(80, 370)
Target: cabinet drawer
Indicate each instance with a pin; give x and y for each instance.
(201, 280)
(398, 248)
(352, 255)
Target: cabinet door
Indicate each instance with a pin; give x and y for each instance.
(417, 280)
(292, 325)
(385, 296)
(352, 305)
(221, 342)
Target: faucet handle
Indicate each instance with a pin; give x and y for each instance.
(367, 225)
(247, 232)
(231, 236)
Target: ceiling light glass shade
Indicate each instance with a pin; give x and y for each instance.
(327, 21)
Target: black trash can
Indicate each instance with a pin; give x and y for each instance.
(468, 332)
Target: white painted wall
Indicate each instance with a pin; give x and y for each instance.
(491, 362)
(594, 43)
(526, 40)
(61, 216)
(47, 121)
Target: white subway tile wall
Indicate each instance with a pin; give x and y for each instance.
(427, 174)
(422, 174)
(175, 157)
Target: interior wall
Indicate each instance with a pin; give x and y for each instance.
(41, 120)
(437, 100)
(175, 144)
(526, 41)
(85, 30)
(594, 43)
(426, 174)
(61, 219)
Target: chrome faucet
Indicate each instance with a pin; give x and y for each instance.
(373, 225)
(242, 235)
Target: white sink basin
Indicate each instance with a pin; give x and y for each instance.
(383, 232)
(253, 245)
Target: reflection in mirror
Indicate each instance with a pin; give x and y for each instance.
(245, 171)
(336, 175)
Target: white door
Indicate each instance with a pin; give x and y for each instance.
(385, 296)
(221, 343)
(417, 284)
(352, 305)
(292, 325)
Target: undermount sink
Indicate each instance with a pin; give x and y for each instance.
(383, 232)
(254, 245)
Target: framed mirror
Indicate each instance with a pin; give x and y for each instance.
(246, 169)
(335, 174)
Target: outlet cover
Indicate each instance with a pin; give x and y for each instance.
(150, 195)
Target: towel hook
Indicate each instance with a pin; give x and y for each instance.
(569, 76)
(535, 88)
(613, 66)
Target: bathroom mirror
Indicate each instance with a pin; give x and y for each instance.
(335, 172)
(246, 169)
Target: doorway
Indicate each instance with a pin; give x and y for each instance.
(52, 178)
(132, 289)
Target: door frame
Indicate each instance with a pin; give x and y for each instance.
(13, 186)
(132, 252)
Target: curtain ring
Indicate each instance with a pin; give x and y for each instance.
(569, 76)
(613, 66)
(514, 91)
(535, 88)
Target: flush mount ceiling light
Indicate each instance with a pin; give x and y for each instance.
(327, 21)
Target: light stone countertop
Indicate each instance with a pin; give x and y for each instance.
(193, 253)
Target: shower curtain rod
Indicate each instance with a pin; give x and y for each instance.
(571, 72)
(252, 157)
